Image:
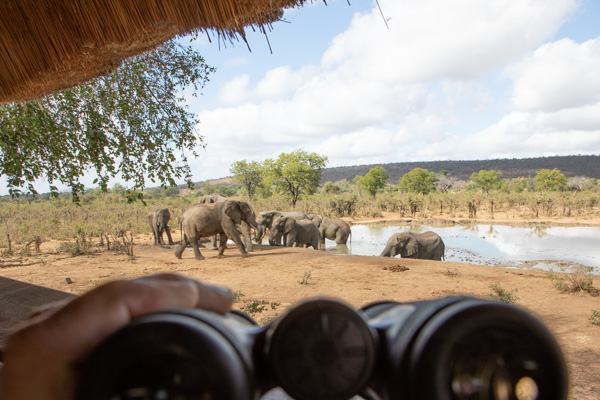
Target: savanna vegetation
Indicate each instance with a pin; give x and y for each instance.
(292, 181)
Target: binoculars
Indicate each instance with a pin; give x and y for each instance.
(448, 348)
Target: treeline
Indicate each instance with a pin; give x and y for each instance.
(108, 214)
(571, 166)
(418, 194)
(291, 182)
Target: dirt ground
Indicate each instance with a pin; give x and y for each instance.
(280, 277)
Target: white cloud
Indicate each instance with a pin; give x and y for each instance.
(277, 84)
(530, 134)
(412, 92)
(558, 75)
(234, 91)
(432, 39)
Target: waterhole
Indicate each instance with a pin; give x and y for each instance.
(563, 249)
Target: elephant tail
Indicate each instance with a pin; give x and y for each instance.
(181, 232)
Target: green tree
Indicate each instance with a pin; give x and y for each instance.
(550, 179)
(247, 174)
(487, 180)
(419, 180)
(118, 189)
(331, 188)
(519, 184)
(225, 190)
(131, 122)
(374, 180)
(295, 174)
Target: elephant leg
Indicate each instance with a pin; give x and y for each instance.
(213, 242)
(222, 241)
(168, 231)
(161, 241)
(155, 234)
(182, 245)
(247, 234)
(197, 254)
(233, 234)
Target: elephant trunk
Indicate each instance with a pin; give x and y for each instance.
(273, 237)
(260, 233)
(389, 251)
(251, 221)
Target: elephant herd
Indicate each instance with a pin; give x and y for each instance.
(224, 218)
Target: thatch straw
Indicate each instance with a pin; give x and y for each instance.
(48, 45)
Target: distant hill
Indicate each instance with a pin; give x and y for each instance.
(511, 168)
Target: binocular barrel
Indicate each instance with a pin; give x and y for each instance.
(450, 348)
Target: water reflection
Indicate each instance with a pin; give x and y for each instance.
(537, 247)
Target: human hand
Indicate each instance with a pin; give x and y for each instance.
(41, 359)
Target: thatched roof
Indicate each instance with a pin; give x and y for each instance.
(48, 45)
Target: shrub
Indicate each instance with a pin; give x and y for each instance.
(579, 281)
(305, 278)
(503, 295)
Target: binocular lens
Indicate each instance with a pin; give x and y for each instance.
(168, 356)
(485, 350)
(455, 348)
(322, 349)
(166, 377)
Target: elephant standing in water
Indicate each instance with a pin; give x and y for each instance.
(299, 232)
(265, 221)
(243, 228)
(428, 245)
(331, 228)
(159, 221)
(203, 220)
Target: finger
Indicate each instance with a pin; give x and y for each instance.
(210, 297)
(83, 323)
(63, 337)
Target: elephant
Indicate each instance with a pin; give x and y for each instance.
(158, 219)
(331, 228)
(211, 198)
(243, 228)
(428, 245)
(265, 221)
(298, 232)
(221, 218)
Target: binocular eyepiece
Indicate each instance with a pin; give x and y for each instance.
(449, 348)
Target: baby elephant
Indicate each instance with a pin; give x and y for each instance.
(331, 228)
(301, 232)
(159, 221)
(428, 245)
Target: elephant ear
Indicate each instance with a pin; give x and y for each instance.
(411, 247)
(290, 223)
(232, 209)
(318, 220)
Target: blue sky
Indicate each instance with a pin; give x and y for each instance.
(460, 80)
(448, 80)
